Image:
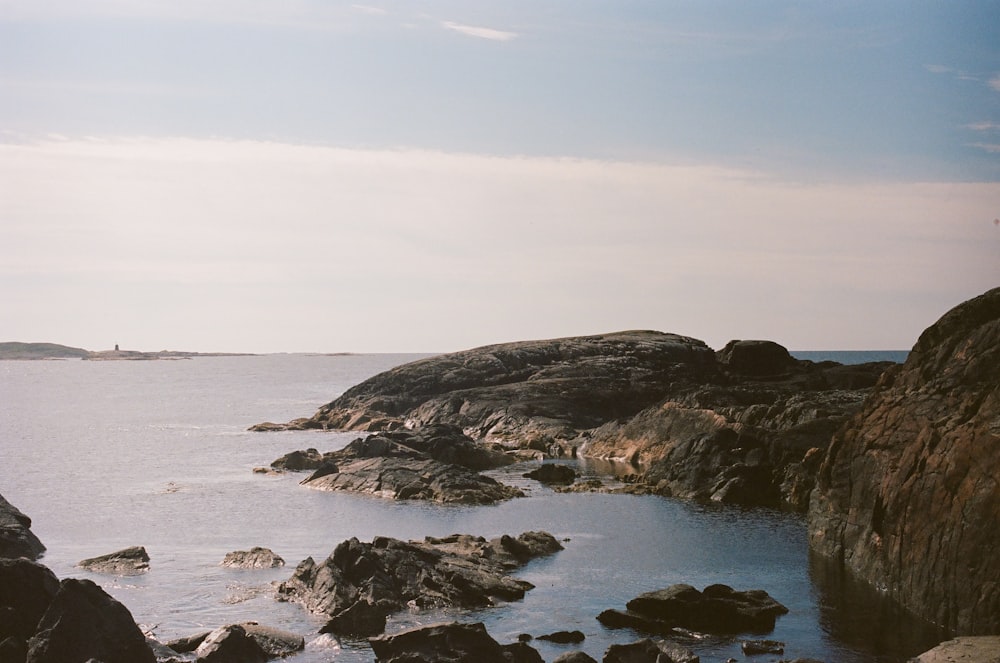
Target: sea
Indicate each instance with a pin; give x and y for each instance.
(103, 455)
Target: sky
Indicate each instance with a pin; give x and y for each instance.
(430, 176)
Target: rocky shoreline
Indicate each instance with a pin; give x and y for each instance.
(894, 465)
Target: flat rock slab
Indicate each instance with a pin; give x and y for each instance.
(129, 561)
(719, 609)
(255, 558)
(449, 643)
(360, 583)
(969, 649)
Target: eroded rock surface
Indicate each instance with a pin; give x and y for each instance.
(255, 558)
(449, 643)
(128, 561)
(16, 537)
(907, 497)
(360, 583)
(718, 609)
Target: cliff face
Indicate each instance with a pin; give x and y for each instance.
(908, 496)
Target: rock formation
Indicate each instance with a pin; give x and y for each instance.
(746, 425)
(436, 463)
(719, 609)
(449, 643)
(649, 651)
(255, 558)
(907, 497)
(16, 537)
(129, 561)
(360, 583)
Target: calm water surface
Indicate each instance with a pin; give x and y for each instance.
(105, 455)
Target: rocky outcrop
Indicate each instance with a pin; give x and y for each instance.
(255, 558)
(125, 562)
(359, 584)
(649, 651)
(907, 497)
(16, 537)
(436, 463)
(82, 622)
(969, 649)
(449, 643)
(719, 609)
(747, 425)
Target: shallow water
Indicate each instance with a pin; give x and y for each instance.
(105, 455)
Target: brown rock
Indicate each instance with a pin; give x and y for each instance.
(907, 497)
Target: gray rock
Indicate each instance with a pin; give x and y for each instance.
(649, 651)
(449, 643)
(128, 561)
(276, 643)
(84, 622)
(553, 474)
(360, 583)
(16, 537)
(230, 644)
(255, 558)
(967, 649)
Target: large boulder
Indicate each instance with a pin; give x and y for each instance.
(128, 561)
(83, 622)
(907, 497)
(16, 537)
(26, 590)
(718, 609)
(649, 651)
(449, 643)
(360, 583)
(255, 558)
(230, 644)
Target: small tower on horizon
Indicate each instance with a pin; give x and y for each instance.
(116, 347)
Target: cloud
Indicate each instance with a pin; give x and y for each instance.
(366, 9)
(992, 148)
(983, 126)
(995, 83)
(482, 33)
(938, 69)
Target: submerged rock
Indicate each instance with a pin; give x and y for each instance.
(553, 474)
(449, 643)
(907, 497)
(360, 583)
(16, 537)
(719, 609)
(128, 561)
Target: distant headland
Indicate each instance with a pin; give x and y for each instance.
(13, 350)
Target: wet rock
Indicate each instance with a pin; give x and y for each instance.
(360, 583)
(574, 657)
(298, 461)
(754, 647)
(553, 474)
(907, 495)
(276, 643)
(83, 622)
(719, 609)
(649, 651)
(255, 558)
(26, 590)
(564, 637)
(400, 466)
(230, 644)
(16, 537)
(129, 561)
(449, 643)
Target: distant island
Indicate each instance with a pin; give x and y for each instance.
(13, 350)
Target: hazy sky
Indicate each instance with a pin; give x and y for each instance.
(313, 175)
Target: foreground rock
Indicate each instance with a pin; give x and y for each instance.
(255, 558)
(129, 561)
(430, 464)
(747, 425)
(16, 537)
(907, 497)
(359, 584)
(649, 651)
(718, 610)
(449, 643)
(969, 649)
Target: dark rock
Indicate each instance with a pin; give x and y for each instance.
(449, 643)
(230, 644)
(754, 647)
(276, 643)
(564, 637)
(574, 657)
(758, 358)
(907, 496)
(83, 622)
(16, 537)
(26, 590)
(255, 558)
(719, 609)
(129, 561)
(649, 651)
(360, 583)
(400, 466)
(553, 473)
(297, 461)
(187, 644)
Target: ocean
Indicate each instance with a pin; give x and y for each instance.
(109, 454)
